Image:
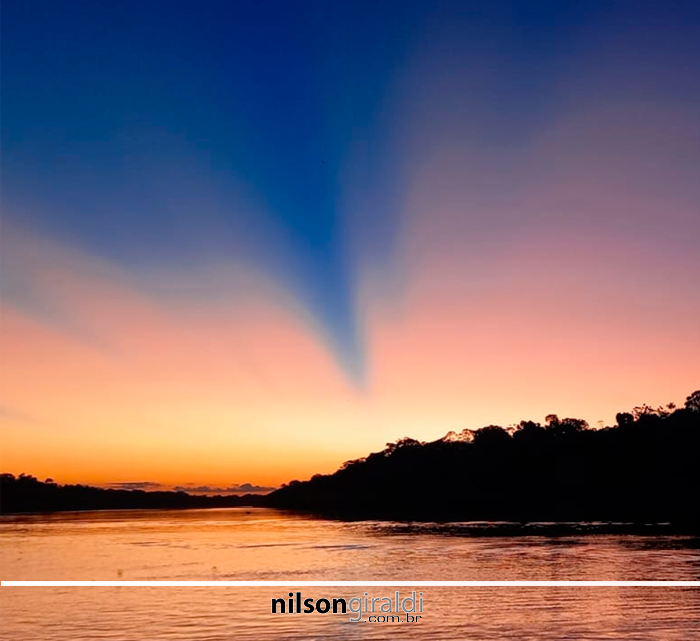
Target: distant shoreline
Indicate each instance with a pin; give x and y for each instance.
(129, 509)
(476, 529)
(26, 494)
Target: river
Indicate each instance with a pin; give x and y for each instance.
(262, 544)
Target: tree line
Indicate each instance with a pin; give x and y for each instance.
(26, 493)
(644, 469)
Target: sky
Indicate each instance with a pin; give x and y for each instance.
(242, 242)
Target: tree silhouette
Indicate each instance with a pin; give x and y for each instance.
(642, 470)
(692, 403)
(624, 419)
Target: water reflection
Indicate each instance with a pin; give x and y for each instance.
(218, 614)
(246, 544)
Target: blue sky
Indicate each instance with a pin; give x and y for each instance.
(177, 134)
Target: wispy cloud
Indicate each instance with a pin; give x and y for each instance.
(136, 485)
(152, 486)
(13, 414)
(231, 489)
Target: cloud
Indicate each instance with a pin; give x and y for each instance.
(12, 414)
(247, 487)
(135, 485)
(189, 488)
(231, 489)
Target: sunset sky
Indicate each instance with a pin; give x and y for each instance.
(243, 242)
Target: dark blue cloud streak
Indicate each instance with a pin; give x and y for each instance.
(166, 133)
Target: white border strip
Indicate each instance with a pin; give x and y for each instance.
(293, 583)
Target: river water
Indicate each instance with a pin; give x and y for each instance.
(261, 544)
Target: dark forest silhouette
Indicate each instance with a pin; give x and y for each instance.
(642, 470)
(25, 493)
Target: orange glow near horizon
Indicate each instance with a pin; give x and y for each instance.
(244, 392)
